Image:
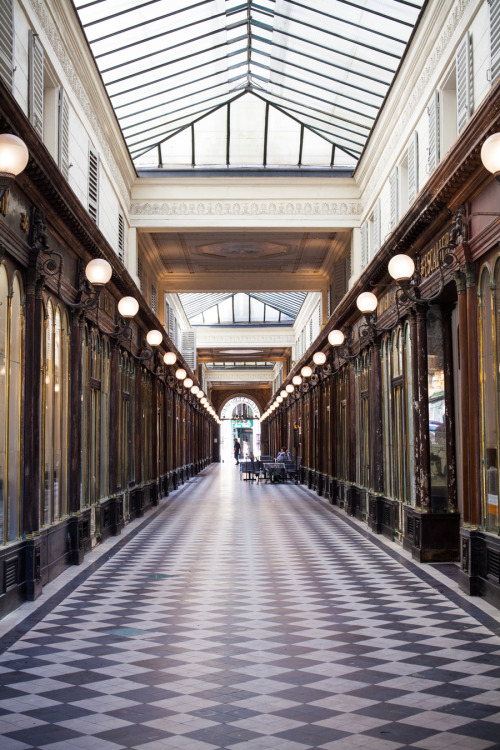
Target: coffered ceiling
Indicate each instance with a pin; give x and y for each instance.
(229, 261)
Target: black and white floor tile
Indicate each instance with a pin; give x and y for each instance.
(251, 617)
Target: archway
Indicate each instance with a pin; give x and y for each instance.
(240, 417)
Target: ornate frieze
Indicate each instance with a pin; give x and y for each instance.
(246, 208)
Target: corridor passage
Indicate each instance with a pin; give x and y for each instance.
(248, 617)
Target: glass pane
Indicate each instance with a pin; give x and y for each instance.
(437, 424)
(241, 308)
(49, 415)
(490, 436)
(14, 436)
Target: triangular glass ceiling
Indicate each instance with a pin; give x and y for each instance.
(257, 308)
(228, 83)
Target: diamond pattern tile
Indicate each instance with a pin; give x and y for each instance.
(251, 617)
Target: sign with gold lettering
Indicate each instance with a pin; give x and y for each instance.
(429, 260)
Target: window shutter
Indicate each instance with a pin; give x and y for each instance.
(340, 277)
(394, 186)
(413, 168)
(35, 83)
(154, 306)
(121, 238)
(93, 187)
(139, 272)
(494, 39)
(189, 348)
(433, 112)
(172, 327)
(6, 41)
(63, 134)
(376, 228)
(464, 82)
(364, 244)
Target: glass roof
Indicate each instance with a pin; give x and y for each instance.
(257, 308)
(231, 83)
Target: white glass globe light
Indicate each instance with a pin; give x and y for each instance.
(490, 153)
(306, 372)
(280, 399)
(180, 374)
(336, 337)
(204, 400)
(290, 388)
(200, 394)
(188, 383)
(297, 380)
(194, 390)
(170, 358)
(283, 393)
(128, 307)
(154, 338)
(98, 271)
(319, 358)
(14, 155)
(401, 267)
(366, 302)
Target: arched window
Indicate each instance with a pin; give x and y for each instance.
(489, 442)
(126, 451)
(11, 348)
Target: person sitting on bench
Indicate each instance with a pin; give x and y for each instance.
(284, 455)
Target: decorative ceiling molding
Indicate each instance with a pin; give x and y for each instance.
(233, 376)
(244, 337)
(247, 208)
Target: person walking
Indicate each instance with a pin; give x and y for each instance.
(236, 450)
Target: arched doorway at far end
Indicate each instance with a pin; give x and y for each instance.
(240, 418)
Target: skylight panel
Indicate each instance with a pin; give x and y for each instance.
(327, 64)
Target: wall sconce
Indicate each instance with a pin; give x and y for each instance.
(289, 389)
(14, 157)
(283, 393)
(297, 380)
(154, 338)
(180, 374)
(280, 399)
(194, 390)
(306, 371)
(128, 307)
(367, 304)
(342, 342)
(319, 358)
(200, 394)
(187, 383)
(402, 269)
(490, 154)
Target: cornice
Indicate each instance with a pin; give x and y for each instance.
(243, 337)
(246, 376)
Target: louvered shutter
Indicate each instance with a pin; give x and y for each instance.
(189, 348)
(154, 306)
(464, 82)
(413, 168)
(121, 238)
(434, 152)
(494, 39)
(93, 187)
(364, 244)
(35, 83)
(394, 207)
(63, 134)
(376, 229)
(172, 326)
(6, 41)
(340, 277)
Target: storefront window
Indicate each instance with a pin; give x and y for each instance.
(363, 440)
(489, 405)
(437, 422)
(11, 337)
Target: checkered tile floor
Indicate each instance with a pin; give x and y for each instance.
(249, 617)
